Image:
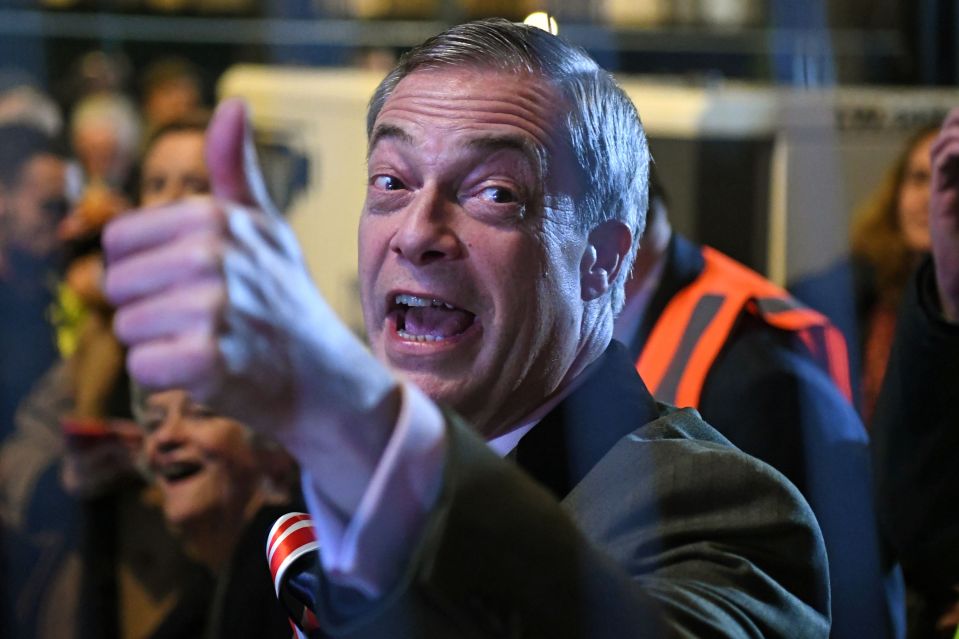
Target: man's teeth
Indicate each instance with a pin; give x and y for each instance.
(413, 300)
(418, 338)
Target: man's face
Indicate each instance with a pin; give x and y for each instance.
(36, 205)
(469, 269)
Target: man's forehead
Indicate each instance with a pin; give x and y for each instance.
(477, 102)
(478, 140)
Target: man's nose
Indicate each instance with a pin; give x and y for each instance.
(426, 231)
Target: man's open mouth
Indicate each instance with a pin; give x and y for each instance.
(424, 319)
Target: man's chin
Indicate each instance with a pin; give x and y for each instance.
(439, 388)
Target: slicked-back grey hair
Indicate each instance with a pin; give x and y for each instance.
(604, 129)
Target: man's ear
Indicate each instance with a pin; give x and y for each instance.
(607, 248)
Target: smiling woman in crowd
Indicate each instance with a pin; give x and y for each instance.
(222, 488)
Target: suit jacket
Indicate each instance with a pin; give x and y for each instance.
(774, 403)
(621, 518)
(916, 443)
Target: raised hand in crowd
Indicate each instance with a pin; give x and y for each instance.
(944, 215)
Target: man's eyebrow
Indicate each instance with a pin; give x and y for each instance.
(388, 131)
(533, 152)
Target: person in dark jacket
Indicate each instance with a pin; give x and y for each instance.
(916, 432)
(755, 379)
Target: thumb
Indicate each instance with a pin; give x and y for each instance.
(235, 173)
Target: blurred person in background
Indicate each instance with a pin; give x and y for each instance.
(105, 137)
(93, 72)
(88, 535)
(915, 430)
(29, 122)
(21, 101)
(174, 166)
(172, 89)
(889, 236)
(32, 204)
(105, 134)
(709, 333)
(222, 488)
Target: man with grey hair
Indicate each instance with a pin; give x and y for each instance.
(506, 189)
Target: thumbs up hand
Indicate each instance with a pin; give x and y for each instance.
(213, 296)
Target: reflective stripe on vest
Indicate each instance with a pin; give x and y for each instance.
(695, 325)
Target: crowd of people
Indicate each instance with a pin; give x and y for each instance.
(565, 420)
(115, 526)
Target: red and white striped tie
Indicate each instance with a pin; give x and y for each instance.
(293, 538)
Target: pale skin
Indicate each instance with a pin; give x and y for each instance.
(208, 470)
(455, 213)
(214, 297)
(913, 199)
(174, 169)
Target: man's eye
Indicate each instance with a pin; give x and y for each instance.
(387, 183)
(499, 195)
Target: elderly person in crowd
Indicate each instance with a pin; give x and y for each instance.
(222, 487)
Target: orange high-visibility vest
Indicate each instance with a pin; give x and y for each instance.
(692, 330)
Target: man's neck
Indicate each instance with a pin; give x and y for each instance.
(505, 441)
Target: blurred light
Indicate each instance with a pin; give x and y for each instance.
(542, 20)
